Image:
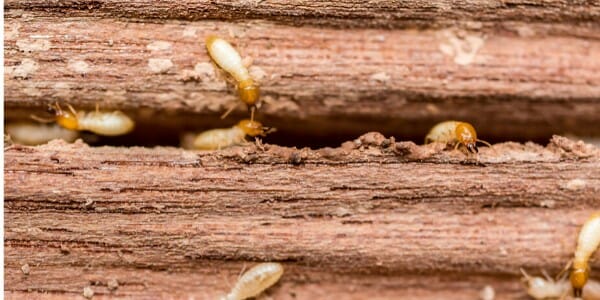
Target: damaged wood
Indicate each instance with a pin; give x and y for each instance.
(389, 217)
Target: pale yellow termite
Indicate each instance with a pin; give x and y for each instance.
(226, 57)
(99, 122)
(587, 243)
(545, 288)
(215, 139)
(28, 133)
(255, 281)
(548, 288)
(455, 133)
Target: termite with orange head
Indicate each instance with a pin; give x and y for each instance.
(102, 123)
(226, 57)
(216, 139)
(455, 133)
(547, 288)
(255, 281)
(587, 243)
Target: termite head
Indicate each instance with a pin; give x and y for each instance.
(254, 128)
(536, 286)
(249, 92)
(66, 119)
(466, 135)
(540, 288)
(210, 40)
(579, 277)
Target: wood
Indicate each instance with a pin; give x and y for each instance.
(374, 218)
(525, 84)
(371, 219)
(345, 13)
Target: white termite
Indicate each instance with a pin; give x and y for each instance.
(215, 139)
(255, 281)
(455, 133)
(28, 133)
(226, 57)
(547, 288)
(587, 243)
(99, 122)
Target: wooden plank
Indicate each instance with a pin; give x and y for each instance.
(386, 216)
(322, 81)
(345, 13)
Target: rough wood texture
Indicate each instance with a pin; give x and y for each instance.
(346, 13)
(511, 85)
(374, 218)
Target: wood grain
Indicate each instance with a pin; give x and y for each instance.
(345, 13)
(319, 81)
(388, 216)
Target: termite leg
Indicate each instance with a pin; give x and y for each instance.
(565, 271)
(97, 107)
(259, 144)
(456, 146)
(222, 74)
(231, 108)
(252, 109)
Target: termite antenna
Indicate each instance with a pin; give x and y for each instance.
(268, 130)
(231, 108)
(543, 271)
(40, 119)
(241, 272)
(58, 108)
(527, 277)
(485, 143)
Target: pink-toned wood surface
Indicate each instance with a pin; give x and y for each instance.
(373, 219)
(318, 81)
(345, 13)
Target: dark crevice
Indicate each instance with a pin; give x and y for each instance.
(300, 133)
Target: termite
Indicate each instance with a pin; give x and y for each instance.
(226, 57)
(255, 281)
(102, 123)
(455, 133)
(587, 243)
(548, 288)
(27, 133)
(545, 288)
(216, 139)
